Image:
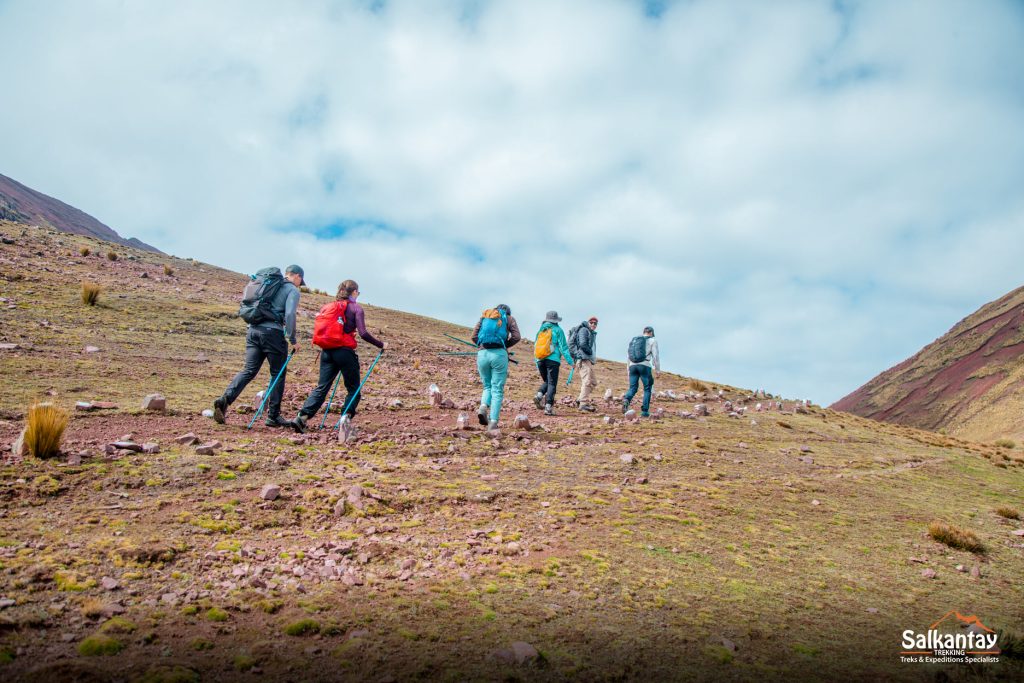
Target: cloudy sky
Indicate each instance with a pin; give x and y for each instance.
(797, 195)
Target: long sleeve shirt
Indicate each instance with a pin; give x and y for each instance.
(653, 359)
(355, 321)
(286, 303)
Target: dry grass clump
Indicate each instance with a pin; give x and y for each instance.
(44, 430)
(1008, 512)
(955, 537)
(111, 255)
(697, 385)
(1006, 443)
(168, 271)
(84, 251)
(90, 293)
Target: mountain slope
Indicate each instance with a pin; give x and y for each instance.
(22, 204)
(969, 382)
(777, 545)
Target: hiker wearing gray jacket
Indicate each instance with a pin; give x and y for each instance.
(644, 365)
(583, 346)
(268, 340)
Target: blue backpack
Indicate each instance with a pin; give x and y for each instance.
(493, 328)
(637, 352)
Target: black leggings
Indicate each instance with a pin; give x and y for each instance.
(549, 373)
(333, 361)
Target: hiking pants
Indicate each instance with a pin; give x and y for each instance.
(332, 362)
(549, 373)
(493, 367)
(262, 343)
(585, 371)
(639, 373)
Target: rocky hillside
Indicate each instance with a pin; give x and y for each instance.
(729, 537)
(21, 204)
(968, 383)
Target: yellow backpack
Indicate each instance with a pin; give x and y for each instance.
(542, 348)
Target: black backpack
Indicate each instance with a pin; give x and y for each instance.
(574, 347)
(637, 350)
(258, 297)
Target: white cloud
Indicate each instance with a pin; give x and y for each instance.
(796, 195)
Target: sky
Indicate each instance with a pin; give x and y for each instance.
(796, 195)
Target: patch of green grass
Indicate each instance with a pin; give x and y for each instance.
(216, 614)
(302, 627)
(99, 645)
(67, 581)
(117, 625)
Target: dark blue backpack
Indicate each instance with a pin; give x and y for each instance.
(637, 350)
(493, 328)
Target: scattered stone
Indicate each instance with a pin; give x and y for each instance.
(83, 406)
(872, 610)
(8, 347)
(92, 349)
(641, 480)
(658, 413)
(187, 439)
(728, 645)
(627, 459)
(208, 412)
(20, 448)
(204, 450)
(145, 275)
(74, 459)
(127, 446)
(960, 568)
(928, 573)
(524, 653)
(408, 563)
(700, 410)
(281, 460)
(975, 572)
(807, 460)
(512, 548)
(109, 583)
(270, 492)
(608, 396)
(522, 422)
(608, 420)
(631, 416)
(462, 422)
(154, 402)
(805, 449)
(396, 404)
(7, 602)
(151, 448)
(434, 392)
(815, 502)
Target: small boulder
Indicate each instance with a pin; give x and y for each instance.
(208, 412)
(20, 448)
(631, 416)
(92, 349)
(151, 448)
(700, 410)
(928, 573)
(109, 583)
(187, 439)
(522, 422)
(462, 422)
(627, 459)
(154, 402)
(270, 492)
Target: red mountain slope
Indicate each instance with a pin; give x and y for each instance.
(22, 204)
(969, 382)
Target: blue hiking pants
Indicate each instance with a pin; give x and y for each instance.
(493, 367)
(638, 373)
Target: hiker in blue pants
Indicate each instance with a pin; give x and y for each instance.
(644, 365)
(495, 333)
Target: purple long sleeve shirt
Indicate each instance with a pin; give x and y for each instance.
(355, 320)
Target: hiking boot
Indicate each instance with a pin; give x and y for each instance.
(625, 407)
(492, 426)
(644, 413)
(481, 415)
(299, 423)
(538, 400)
(220, 406)
(277, 421)
(549, 409)
(587, 408)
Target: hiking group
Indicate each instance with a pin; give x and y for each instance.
(269, 306)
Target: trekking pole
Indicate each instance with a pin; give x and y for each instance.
(455, 353)
(461, 341)
(270, 389)
(571, 373)
(328, 408)
(344, 411)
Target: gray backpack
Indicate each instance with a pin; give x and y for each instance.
(258, 297)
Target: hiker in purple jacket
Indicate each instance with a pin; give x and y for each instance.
(343, 360)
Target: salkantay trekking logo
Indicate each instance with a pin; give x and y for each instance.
(975, 643)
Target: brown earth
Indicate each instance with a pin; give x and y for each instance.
(778, 544)
(968, 383)
(21, 204)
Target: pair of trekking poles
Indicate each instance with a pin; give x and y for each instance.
(344, 412)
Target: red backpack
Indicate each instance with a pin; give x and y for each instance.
(329, 327)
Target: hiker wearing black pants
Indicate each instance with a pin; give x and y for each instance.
(644, 366)
(342, 358)
(549, 349)
(266, 340)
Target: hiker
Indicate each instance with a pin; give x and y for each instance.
(549, 349)
(334, 334)
(268, 305)
(644, 365)
(583, 347)
(495, 333)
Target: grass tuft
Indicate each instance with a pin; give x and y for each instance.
(84, 251)
(302, 627)
(1005, 443)
(1008, 512)
(111, 255)
(99, 645)
(955, 537)
(44, 430)
(90, 293)
(168, 271)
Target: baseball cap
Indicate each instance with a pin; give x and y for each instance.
(298, 271)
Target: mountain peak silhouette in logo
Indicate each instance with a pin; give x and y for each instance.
(971, 620)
